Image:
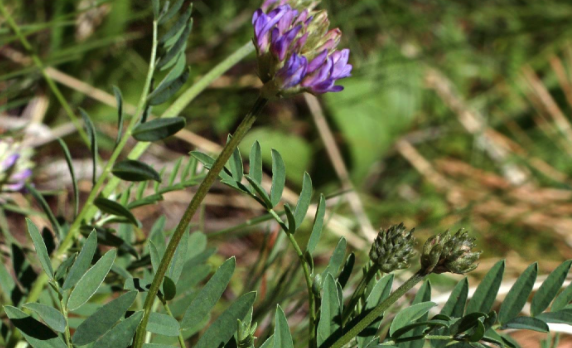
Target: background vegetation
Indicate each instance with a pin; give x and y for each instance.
(457, 114)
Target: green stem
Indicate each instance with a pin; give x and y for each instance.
(407, 339)
(247, 223)
(83, 215)
(307, 276)
(379, 310)
(181, 338)
(358, 293)
(38, 62)
(194, 205)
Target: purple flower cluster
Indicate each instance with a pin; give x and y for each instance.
(297, 51)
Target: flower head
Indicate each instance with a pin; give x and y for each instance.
(393, 248)
(296, 49)
(15, 165)
(445, 253)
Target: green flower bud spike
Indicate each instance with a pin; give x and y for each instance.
(393, 249)
(445, 253)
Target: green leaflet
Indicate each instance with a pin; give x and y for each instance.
(318, 225)
(455, 305)
(114, 208)
(91, 280)
(180, 257)
(169, 289)
(518, 294)
(563, 316)
(549, 288)
(209, 295)
(410, 314)
(282, 336)
(36, 333)
(485, 295)
(526, 323)
(278, 178)
(41, 249)
(337, 258)
(224, 327)
(82, 262)
(331, 310)
(122, 334)
(562, 299)
(64, 267)
(304, 200)
(163, 324)
(255, 161)
(131, 170)
(119, 101)
(422, 296)
(103, 319)
(51, 316)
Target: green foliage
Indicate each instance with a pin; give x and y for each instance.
(158, 129)
(131, 170)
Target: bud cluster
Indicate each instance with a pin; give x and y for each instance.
(15, 165)
(393, 248)
(296, 49)
(449, 253)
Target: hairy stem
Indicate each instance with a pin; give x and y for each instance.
(377, 311)
(194, 205)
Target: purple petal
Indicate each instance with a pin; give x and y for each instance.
(10, 161)
(294, 71)
(282, 43)
(319, 75)
(317, 61)
(285, 22)
(256, 15)
(323, 86)
(341, 67)
(23, 175)
(302, 17)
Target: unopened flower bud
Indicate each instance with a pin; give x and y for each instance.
(393, 248)
(446, 253)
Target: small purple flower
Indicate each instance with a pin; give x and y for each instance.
(296, 50)
(15, 165)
